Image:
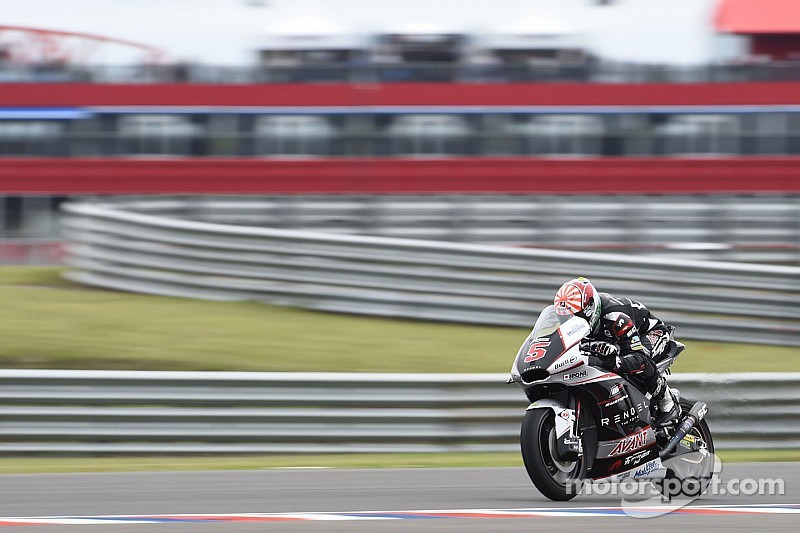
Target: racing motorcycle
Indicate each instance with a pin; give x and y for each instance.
(586, 423)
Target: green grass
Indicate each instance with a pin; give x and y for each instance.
(753, 456)
(36, 465)
(245, 462)
(46, 325)
(50, 323)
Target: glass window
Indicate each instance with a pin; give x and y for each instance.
(433, 134)
(223, 135)
(497, 136)
(157, 134)
(293, 135)
(30, 137)
(561, 134)
(698, 134)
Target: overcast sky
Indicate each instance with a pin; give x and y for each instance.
(225, 31)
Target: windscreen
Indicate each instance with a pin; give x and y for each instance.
(547, 322)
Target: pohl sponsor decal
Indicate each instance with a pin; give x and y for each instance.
(575, 375)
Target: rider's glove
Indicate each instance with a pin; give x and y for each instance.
(603, 349)
(607, 353)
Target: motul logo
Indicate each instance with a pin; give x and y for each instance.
(629, 444)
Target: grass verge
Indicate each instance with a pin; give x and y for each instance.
(50, 323)
(40, 465)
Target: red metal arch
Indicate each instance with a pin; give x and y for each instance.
(56, 46)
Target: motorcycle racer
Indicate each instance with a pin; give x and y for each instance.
(625, 336)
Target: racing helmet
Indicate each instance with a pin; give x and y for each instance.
(578, 297)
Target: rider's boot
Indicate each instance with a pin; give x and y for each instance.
(667, 402)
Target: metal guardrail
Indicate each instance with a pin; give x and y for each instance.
(722, 227)
(111, 246)
(761, 229)
(99, 412)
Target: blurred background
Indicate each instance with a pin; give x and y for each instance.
(689, 109)
(276, 151)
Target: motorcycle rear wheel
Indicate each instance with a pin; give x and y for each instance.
(556, 479)
(702, 473)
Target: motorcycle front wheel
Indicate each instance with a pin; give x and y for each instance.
(558, 480)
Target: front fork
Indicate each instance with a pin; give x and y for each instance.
(568, 440)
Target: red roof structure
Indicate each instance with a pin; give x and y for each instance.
(758, 16)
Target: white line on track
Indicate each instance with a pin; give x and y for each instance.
(587, 512)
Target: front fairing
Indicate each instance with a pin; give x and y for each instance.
(551, 352)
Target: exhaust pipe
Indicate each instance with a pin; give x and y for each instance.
(696, 414)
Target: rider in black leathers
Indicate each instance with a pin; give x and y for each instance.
(626, 338)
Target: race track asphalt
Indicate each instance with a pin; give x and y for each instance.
(340, 491)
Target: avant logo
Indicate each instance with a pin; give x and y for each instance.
(629, 444)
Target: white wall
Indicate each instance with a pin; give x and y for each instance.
(677, 31)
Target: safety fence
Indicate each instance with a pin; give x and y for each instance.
(122, 247)
(763, 228)
(757, 228)
(107, 412)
